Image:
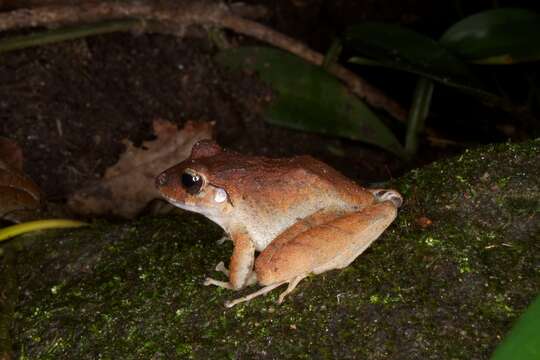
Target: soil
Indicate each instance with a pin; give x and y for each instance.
(69, 105)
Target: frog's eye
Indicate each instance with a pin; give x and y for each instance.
(192, 182)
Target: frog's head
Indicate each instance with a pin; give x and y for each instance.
(188, 185)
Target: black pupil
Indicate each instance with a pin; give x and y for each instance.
(191, 182)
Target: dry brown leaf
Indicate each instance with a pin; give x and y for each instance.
(424, 222)
(20, 197)
(11, 154)
(128, 185)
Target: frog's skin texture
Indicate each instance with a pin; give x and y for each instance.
(300, 214)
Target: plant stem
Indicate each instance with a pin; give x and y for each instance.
(418, 114)
(57, 35)
(14, 230)
(332, 55)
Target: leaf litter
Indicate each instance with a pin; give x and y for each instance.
(128, 186)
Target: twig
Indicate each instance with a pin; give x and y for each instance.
(187, 14)
(66, 33)
(37, 225)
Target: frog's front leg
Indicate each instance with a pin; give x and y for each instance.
(241, 266)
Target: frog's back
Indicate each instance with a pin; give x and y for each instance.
(282, 191)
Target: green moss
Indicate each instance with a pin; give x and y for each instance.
(449, 290)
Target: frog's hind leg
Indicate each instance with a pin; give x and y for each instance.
(259, 292)
(387, 195)
(331, 245)
(292, 284)
(291, 287)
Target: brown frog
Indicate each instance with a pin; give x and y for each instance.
(302, 216)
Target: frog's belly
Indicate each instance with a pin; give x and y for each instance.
(264, 231)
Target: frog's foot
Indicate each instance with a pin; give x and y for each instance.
(292, 284)
(387, 195)
(221, 268)
(290, 288)
(222, 284)
(251, 279)
(259, 292)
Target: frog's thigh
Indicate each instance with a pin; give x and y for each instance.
(330, 245)
(300, 227)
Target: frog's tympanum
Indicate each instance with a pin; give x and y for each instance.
(302, 216)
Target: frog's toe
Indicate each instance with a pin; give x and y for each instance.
(388, 195)
(221, 268)
(223, 239)
(292, 285)
(251, 296)
(223, 284)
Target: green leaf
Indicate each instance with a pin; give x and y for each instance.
(523, 341)
(501, 36)
(310, 99)
(418, 114)
(403, 49)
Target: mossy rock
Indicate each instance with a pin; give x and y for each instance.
(445, 281)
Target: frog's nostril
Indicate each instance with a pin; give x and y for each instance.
(161, 180)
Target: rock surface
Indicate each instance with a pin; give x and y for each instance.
(446, 281)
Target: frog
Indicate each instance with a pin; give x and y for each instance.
(288, 218)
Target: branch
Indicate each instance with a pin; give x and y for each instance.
(187, 14)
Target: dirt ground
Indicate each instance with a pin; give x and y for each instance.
(69, 105)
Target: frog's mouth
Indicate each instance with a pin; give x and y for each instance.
(179, 204)
(209, 209)
(211, 213)
(182, 205)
